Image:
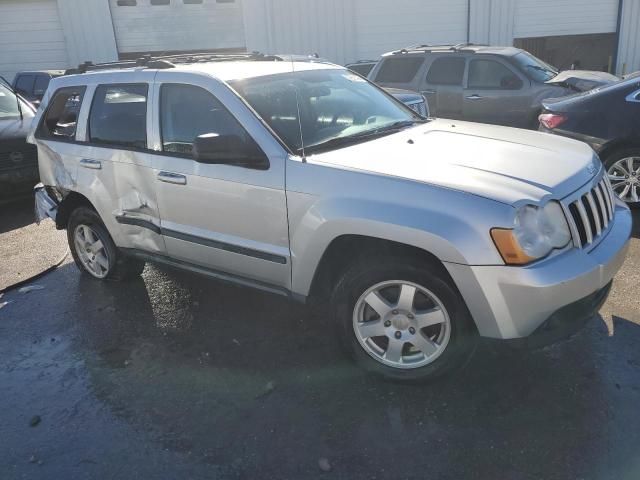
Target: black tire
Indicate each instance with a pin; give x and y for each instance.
(120, 267)
(371, 271)
(620, 154)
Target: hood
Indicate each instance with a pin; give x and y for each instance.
(500, 163)
(583, 80)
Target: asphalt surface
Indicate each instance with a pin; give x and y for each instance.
(176, 376)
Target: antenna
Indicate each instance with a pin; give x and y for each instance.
(304, 156)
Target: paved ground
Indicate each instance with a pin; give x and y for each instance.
(26, 249)
(174, 376)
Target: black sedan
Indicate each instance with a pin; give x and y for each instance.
(18, 159)
(608, 119)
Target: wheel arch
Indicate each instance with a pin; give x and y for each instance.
(617, 145)
(345, 249)
(69, 203)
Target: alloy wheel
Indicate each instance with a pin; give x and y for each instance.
(624, 176)
(401, 324)
(91, 251)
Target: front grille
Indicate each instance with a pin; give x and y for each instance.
(419, 107)
(592, 213)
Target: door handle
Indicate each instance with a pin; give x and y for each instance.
(92, 164)
(474, 97)
(174, 178)
(428, 92)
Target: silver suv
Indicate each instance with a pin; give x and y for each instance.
(303, 179)
(497, 85)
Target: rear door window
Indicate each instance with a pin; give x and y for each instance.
(447, 71)
(492, 75)
(61, 119)
(399, 70)
(24, 84)
(119, 116)
(42, 82)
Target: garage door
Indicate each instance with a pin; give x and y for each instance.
(177, 25)
(564, 17)
(31, 37)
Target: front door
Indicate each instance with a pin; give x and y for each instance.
(220, 216)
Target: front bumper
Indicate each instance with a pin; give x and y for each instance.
(513, 302)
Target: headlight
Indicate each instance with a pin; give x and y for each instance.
(536, 233)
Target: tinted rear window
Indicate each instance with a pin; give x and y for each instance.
(119, 115)
(24, 84)
(446, 71)
(42, 82)
(399, 70)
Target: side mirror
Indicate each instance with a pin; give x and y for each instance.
(214, 148)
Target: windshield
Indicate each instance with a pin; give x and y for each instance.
(8, 103)
(535, 68)
(335, 108)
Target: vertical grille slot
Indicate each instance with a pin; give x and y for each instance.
(592, 213)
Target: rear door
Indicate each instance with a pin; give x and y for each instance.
(115, 169)
(496, 93)
(221, 216)
(443, 86)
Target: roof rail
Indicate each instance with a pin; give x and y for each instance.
(169, 61)
(426, 47)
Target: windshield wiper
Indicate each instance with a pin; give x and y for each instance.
(363, 136)
(542, 69)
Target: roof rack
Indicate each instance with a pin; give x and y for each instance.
(433, 47)
(170, 61)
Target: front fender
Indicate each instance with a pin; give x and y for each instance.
(455, 229)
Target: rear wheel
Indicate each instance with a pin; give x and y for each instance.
(623, 168)
(402, 320)
(93, 250)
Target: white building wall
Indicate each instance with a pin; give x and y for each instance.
(492, 22)
(382, 26)
(629, 51)
(88, 31)
(31, 37)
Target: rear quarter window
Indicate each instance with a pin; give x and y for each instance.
(399, 70)
(61, 118)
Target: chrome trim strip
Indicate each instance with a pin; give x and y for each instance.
(603, 206)
(594, 213)
(227, 247)
(585, 220)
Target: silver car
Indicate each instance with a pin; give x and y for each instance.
(415, 237)
(497, 85)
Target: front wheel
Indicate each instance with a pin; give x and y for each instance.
(403, 320)
(623, 168)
